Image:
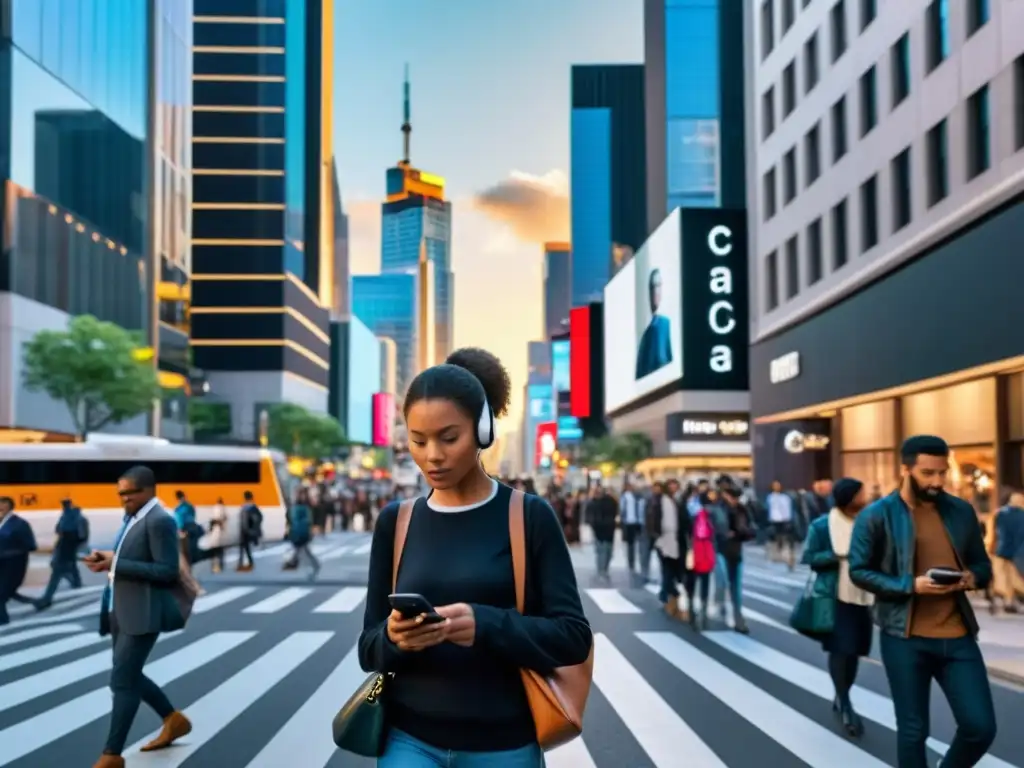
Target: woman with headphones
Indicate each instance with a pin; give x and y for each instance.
(457, 688)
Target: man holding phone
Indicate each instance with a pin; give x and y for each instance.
(919, 550)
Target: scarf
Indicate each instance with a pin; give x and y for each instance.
(840, 531)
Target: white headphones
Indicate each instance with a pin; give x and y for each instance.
(485, 426)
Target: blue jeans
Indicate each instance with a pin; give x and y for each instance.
(721, 579)
(911, 663)
(403, 751)
(603, 550)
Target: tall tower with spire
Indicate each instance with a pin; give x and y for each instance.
(416, 226)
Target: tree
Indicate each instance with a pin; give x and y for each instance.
(623, 451)
(99, 370)
(298, 432)
(209, 419)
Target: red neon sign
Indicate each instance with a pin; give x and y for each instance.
(579, 362)
(546, 442)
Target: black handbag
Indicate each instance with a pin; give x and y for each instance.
(814, 615)
(361, 726)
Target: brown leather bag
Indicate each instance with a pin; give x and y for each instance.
(558, 700)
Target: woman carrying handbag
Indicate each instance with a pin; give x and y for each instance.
(835, 611)
(492, 663)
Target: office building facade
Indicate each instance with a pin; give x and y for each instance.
(341, 297)
(557, 288)
(74, 155)
(607, 174)
(356, 369)
(415, 218)
(695, 105)
(887, 204)
(262, 219)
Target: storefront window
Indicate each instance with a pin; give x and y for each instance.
(972, 472)
(1015, 406)
(964, 414)
(873, 468)
(869, 427)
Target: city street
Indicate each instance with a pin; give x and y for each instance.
(268, 658)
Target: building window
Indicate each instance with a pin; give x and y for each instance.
(1018, 103)
(792, 267)
(771, 198)
(815, 253)
(789, 177)
(788, 14)
(868, 102)
(979, 134)
(869, 214)
(837, 19)
(789, 89)
(936, 24)
(811, 73)
(839, 142)
(977, 15)
(901, 194)
(840, 236)
(767, 27)
(937, 146)
(812, 154)
(868, 12)
(899, 55)
(768, 112)
(771, 280)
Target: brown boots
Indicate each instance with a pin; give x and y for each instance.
(175, 726)
(674, 611)
(110, 761)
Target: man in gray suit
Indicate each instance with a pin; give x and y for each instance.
(138, 604)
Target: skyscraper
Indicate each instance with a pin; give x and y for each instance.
(557, 288)
(262, 222)
(414, 215)
(341, 298)
(695, 124)
(607, 175)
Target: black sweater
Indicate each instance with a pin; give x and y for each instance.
(472, 699)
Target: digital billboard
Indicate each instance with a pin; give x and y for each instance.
(643, 333)
(541, 403)
(545, 444)
(383, 419)
(579, 362)
(561, 381)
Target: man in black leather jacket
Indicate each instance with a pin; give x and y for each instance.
(929, 631)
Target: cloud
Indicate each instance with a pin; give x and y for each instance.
(363, 235)
(535, 208)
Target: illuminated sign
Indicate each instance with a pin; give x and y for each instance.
(721, 314)
(707, 426)
(383, 419)
(579, 362)
(546, 443)
(798, 442)
(784, 368)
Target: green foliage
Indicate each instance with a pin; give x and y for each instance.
(624, 451)
(298, 432)
(95, 368)
(207, 418)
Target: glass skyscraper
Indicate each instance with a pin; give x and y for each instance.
(388, 304)
(557, 288)
(694, 102)
(607, 174)
(74, 151)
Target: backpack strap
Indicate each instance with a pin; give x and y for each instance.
(517, 538)
(401, 532)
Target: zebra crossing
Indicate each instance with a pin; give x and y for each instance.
(262, 670)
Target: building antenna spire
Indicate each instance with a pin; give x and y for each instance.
(407, 122)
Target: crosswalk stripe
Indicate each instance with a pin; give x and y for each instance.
(344, 600)
(220, 597)
(49, 650)
(809, 741)
(62, 601)
(89, 610)
(767, 600)
(870, 705)
(279, 601)
(612, 601)
(364, 549)
(227, 701)
(662, 733)
(335, 555)
(571, 755)
(767, 585)
(35, 634)
(306, 732)
(36, 732)
(772, 578)
(748, 613)
(53, 679)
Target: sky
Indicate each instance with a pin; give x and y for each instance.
(490, 113)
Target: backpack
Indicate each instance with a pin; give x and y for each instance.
(704, 556)
(83, 530)
(652, 517)
(253, 522)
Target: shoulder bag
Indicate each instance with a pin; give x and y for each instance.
(361, 726)
(814, 614)
(557, 700)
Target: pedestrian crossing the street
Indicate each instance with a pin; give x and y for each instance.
(262, 693)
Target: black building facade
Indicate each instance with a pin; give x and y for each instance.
(929, 348)
(258, 159)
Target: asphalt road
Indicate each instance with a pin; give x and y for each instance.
(269, 657)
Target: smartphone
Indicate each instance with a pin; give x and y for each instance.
(412, 605)
(945, 576)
